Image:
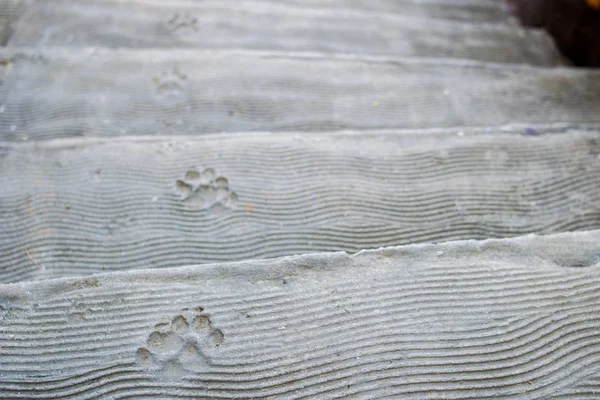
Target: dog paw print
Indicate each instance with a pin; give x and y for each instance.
(180, 347)
(205, 189)
(119, 223)
(182, 25)
(78, 312)
(170, 83)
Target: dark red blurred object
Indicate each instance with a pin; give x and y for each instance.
(574, 25)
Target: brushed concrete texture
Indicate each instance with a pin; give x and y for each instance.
(455, 29)
(87, 205)
(54, 93)
(511, 318)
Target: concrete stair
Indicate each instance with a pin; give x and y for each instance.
(156, 155)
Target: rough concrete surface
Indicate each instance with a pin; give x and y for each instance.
(397, 29)
(513, 318)
(82, 206)
(54, 93)
(157, 156)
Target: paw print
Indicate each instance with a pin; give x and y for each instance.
(170, 83)
(182, 25)
(78, 312)
(205, 189)
(118, 223)
(179, 347)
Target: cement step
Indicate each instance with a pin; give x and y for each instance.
(403, 28)
(503, 319)
(84, 206)
(90, 92)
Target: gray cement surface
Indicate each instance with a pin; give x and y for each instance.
(513, 318)
(453, 29)
(154, 153)
(55, 93)
(82, 206)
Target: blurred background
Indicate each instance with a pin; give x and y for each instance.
(574, 25)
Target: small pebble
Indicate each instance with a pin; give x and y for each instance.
(531, 132)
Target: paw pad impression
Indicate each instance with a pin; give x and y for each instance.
(176, 348)
(205, 189)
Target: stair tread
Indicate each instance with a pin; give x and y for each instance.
(83, 206)
(90, 92)
(463, 320)
(276, 25)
